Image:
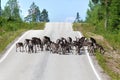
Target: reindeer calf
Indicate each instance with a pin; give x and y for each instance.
(20, 46)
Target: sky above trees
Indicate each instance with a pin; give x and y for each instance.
(58, 10)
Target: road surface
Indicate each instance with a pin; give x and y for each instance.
(43, 65)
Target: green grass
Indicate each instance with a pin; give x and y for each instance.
(112, 38)
(11, 30)
(102, 62)
(8, 37)
(83, 27)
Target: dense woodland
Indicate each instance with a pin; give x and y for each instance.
(104, 16)
(104, 13)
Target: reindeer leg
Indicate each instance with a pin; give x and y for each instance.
(19, 48)
(41, 46)
(26, 48)
(35, 49)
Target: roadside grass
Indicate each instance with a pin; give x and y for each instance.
(103, 63)
(84, 27)
(111, 43)
(8, 37)
(11, 31)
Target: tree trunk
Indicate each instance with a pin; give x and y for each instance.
(0, 9)
(106, 14)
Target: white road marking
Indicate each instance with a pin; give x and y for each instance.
(91, 63)
(74, 67)
(8, 51)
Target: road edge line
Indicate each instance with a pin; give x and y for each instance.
(91, 63)
(7, 52)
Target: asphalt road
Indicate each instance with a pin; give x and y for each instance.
(43, 65)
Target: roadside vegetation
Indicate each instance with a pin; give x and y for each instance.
(103, 23)
(111, 43)
(12, 25)
(10, 30)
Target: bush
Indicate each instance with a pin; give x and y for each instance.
(10, 30)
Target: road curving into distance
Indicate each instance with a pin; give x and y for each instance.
(45, 66)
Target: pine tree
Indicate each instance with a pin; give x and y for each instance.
(114, 17)
(44, 16)
(95, 1)
(77, 19)
(0, 9)
(12, 10)
(92, 14)
(33, 13)
(104, 13)
(105, 4)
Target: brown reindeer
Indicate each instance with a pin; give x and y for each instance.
(100, 48)
(54, 47)
(65, 46)
(79, 43)
(38, 43)
(47, 42)
(20, 46)
(30, 46)
(26, 42)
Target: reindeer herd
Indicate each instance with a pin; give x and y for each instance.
(60, 46)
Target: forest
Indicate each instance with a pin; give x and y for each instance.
(104, 16)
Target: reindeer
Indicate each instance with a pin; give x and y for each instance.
(54, 47)
(69, 41)
(100, 48)
(30, 46)
(65, 46)
(38, 43)
(79, 44)
(20, 46)
(26, 42)
(47, 42)
(93, 46)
